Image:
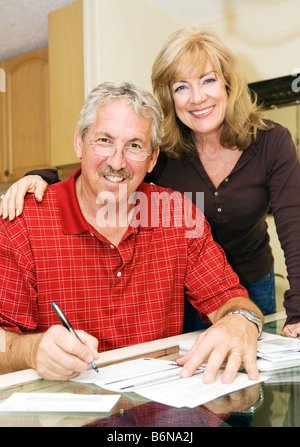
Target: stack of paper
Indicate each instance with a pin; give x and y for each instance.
(277, 352)
(159, 380)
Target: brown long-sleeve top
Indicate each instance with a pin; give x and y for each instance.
(266, 175)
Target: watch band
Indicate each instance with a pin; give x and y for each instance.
(251, 316)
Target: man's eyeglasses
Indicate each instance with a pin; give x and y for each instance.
(106, 149)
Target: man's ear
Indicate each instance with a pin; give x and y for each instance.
(78, 144)
(153, 160)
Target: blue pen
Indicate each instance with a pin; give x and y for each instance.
(68, 326)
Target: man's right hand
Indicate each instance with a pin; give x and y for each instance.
(55, 354)
(59, 355)
(11, 205)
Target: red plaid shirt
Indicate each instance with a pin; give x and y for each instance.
(122, 295)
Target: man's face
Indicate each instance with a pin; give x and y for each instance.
(118, 123)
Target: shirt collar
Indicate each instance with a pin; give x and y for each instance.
(71, 215)
(73, 220)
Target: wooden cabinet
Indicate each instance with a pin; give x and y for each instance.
(66, 78)
(24, 115)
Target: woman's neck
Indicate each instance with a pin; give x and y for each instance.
(217, 160)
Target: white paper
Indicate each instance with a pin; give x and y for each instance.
(282, 357)
(59, 402)
(192, 392)
(276, 352)
(133, 372)
(160, 381)
(273, 343)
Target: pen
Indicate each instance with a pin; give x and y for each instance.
(68, 326)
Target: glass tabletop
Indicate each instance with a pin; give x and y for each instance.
(271, 404)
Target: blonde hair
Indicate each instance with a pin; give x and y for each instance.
(185, 53)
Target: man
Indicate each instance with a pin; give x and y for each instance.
(117, 255)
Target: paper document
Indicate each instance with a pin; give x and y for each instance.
(59, 402)
(276, 352)
(160, 381)
(273, 343)
(192, 392)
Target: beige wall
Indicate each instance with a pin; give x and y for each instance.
(264, 37)
(281, 282)
(122, 39)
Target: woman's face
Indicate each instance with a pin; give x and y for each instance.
(200, 103)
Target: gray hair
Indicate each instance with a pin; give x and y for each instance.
(141, 101)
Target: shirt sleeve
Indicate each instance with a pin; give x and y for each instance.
(154, 175)
(283, 178)
(210, 281)
(18, 290)
(49, 175)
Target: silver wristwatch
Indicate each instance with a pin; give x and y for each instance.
(251, 316)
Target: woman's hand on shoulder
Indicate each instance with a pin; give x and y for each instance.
(12, 203)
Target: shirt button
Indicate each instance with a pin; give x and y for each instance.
(219, 210)
(119, 274)
(227, 179)
(216, 193)
(112, 246)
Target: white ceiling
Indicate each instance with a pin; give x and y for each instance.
(23, 23)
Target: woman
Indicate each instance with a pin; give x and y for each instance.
(216, 142)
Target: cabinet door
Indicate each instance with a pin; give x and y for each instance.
(25, 114)
(66, 78)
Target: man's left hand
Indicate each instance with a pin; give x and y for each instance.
(232, 338)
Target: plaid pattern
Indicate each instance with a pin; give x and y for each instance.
(122, 295)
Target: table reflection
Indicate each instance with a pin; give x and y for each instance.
(273, 403)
